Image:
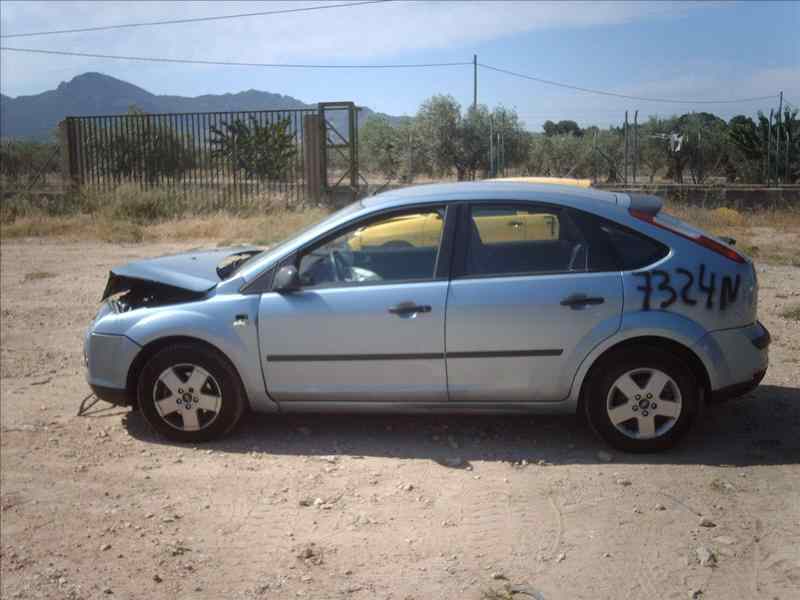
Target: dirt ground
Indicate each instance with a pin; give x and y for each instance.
(375, 507)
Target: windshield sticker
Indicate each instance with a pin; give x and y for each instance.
(661, 281)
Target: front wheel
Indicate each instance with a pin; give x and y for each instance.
(189, 393)
(641, 399)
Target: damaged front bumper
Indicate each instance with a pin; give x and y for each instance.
(108, 359)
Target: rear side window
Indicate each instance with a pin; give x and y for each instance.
(616, 246)
(517, 240)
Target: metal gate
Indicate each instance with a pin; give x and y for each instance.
(220, 160)
(340, 151)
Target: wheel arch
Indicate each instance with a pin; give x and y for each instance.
(153, 347)
(683, 352)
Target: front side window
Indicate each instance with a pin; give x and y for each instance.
(396, 248)
(507, 240)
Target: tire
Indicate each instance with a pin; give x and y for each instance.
(208, 402)
(617, 392)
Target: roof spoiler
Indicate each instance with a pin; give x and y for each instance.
(645, 204)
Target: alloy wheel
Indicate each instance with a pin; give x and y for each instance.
(187, 397)
(644, 404)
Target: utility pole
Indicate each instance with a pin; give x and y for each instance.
(769, 145)
(475, 81)
(786, 168)
(625, 157)
(501, 158)
(491, 146)
(635, 143)
(410, 159)
(778, 139)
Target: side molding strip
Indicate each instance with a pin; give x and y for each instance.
(422, 356)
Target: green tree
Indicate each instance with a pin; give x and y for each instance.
(512, 135)
(380, 144)
(562, 128)
(438, 120)
(263, 151)
(27, 161)
(462, 143)
(139, 146)
(473, 145)
(654, 145)
(704, 149)
(750, 140)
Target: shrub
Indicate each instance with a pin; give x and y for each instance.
(727, 216)
(143, 206)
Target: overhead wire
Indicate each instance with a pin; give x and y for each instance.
(234, 63)
(195, 19)
(384, 66)
(626, 96)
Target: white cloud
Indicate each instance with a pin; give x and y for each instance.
(356, 34)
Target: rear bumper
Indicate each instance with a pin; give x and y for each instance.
(737, 359)
(738, 389)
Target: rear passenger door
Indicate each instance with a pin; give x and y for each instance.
(522, 313)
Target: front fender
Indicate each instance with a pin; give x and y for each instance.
(230, 324)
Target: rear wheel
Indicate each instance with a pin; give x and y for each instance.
(641, 399)
(189, 393)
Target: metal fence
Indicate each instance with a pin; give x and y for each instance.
(215, 159)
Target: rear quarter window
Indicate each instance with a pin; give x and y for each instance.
(633, 250)
(616, 246)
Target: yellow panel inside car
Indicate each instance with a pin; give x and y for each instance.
(418, 230)
(520, 227)
(581, 183)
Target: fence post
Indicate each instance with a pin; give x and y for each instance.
(312, 149)
(69, 156)
(625, 157)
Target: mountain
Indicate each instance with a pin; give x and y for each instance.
(36, 116)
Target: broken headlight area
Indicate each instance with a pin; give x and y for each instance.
(123, 294)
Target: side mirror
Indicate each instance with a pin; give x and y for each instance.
(287, 279)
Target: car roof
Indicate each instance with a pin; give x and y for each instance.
(496, 190)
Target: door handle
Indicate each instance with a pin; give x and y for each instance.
(578, 300)
(515, 223)
(409, 308)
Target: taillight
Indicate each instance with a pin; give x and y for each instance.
(721, 249)
(691, 235)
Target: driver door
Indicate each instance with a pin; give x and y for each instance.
(367, 324)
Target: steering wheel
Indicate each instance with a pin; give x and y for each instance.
(341, 270)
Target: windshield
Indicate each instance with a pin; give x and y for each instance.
(311, 231)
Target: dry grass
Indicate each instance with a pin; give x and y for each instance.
(37, 275)
(769, 236)
(130, 215)
(222, 228)
(719, 219)
(791, 312)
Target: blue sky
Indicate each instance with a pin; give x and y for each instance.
(665, 49)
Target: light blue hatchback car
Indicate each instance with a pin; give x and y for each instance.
(471, 297)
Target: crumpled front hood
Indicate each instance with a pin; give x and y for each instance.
(194, 271)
